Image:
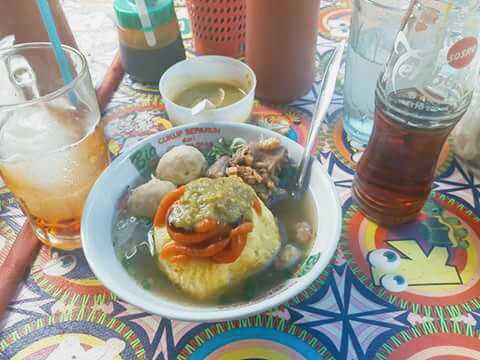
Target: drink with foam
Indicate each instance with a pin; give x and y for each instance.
(51, 152)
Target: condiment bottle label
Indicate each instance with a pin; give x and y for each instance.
(462, 53)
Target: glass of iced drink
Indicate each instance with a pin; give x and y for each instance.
(52, 148)
(375, 24)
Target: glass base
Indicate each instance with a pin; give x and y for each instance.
(358, 129)
(383, 215)
(58, 242)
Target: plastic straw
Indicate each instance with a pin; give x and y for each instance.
(146, 23)
(49, 24)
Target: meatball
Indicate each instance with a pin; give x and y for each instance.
(303, 233)
(288, 257)
(144, 200)
(181, 165)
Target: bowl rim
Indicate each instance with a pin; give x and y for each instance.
(228, 313)
(213, 59)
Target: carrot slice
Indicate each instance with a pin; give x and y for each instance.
(178, 259)
(257, 206)
(233, 251)
(206, 225)
(165, 204)
(224, 251)
(173, 249)
(189, 238)
(185, 245)
(244, 228)
(238, 240)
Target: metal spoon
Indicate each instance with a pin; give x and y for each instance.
(297, 188)
(321, 106)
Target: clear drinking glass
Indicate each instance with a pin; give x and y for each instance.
(374, 25)
(51, 146)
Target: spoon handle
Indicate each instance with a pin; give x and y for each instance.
(321, 106)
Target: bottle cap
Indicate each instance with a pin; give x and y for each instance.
(159, 11)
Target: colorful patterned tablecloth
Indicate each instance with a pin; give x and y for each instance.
(62, 312)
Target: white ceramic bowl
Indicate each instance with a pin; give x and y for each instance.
(101, 207)
(207, 69)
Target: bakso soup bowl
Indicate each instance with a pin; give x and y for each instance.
(135, 166)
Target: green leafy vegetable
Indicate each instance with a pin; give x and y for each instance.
(223, 147)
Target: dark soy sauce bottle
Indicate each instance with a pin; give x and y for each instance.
(147, 52)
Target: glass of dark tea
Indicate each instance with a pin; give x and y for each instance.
(425, 89)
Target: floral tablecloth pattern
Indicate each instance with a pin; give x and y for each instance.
(62, 312)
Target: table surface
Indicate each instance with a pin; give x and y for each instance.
(62, 312)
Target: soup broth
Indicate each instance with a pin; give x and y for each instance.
(132, 249)
(218, 93)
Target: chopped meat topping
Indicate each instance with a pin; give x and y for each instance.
(259, 164)
(269, 144)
